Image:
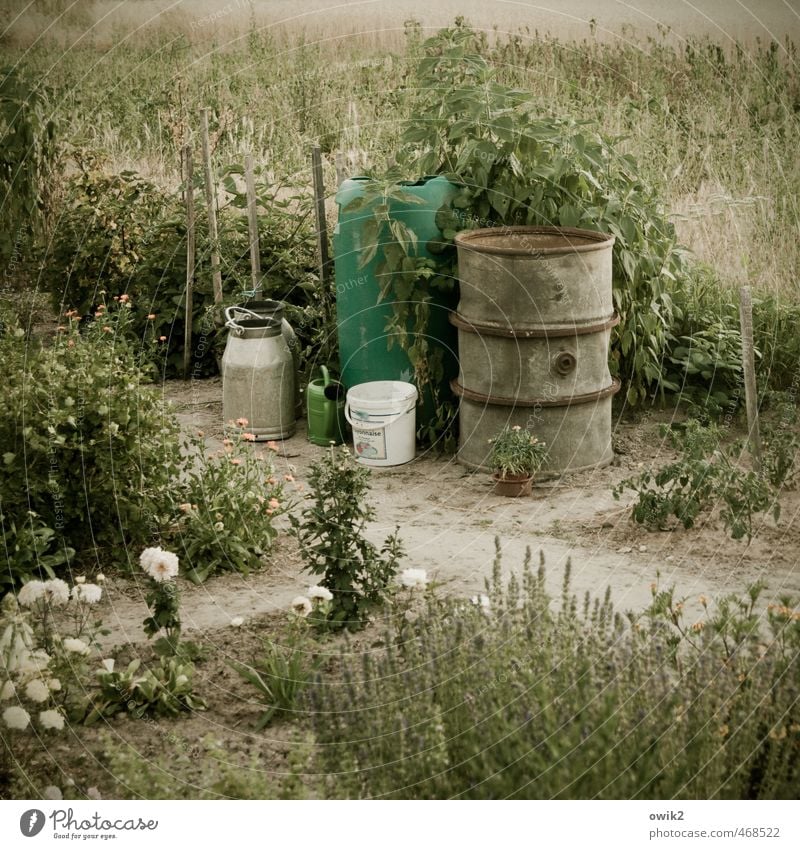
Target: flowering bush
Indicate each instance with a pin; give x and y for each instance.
(332, 541)
(230, 503)
(543, 700)
(516, 451)
(98, 450)
(42, 669)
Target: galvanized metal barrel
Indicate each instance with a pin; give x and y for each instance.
(534, 323)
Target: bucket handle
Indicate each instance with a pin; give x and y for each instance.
(360, 423)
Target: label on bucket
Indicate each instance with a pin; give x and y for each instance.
(370, 444)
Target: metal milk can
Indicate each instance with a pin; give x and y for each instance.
(258, 377)
(268, 308)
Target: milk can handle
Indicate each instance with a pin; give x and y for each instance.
(376, 425)
(231, 321)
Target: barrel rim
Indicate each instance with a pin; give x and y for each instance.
(597, 241)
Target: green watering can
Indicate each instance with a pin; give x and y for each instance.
(325, 402)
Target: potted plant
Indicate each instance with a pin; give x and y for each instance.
(516, 456)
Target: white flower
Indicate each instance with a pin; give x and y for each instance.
(56, 592)
(81, 579)
(52, 792)
(219, 526)
(54, 685)
(93, 793)
(160, 565)
(108, 664)
(30, 593)
(413, 578)
(51, 720)
(481, 601)
(301, 605)
(16, 718)
(322, 593)
(8, 691)
(76, 646)
(90, 593)
(35, 662)
(237, 621)
(36, 690)
(100, 578)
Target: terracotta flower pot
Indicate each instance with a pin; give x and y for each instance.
(512, 486)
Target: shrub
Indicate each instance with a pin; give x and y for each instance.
(98, 450)
(331, 536)
(517, 452)
(121, 234)
(519, 698)
(707, 472)
(516, 167)
(230, 503)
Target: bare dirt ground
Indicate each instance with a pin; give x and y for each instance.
(449, 519)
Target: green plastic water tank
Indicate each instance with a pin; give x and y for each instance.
(362, 318)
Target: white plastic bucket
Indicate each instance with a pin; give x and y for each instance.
(383, 415)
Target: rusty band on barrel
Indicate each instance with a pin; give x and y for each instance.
(545, 331)
(505, 401)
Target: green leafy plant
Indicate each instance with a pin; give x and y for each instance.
(166, 689)
(30, 550)
(515, 167)
(227, 519)
(280, 675)
(708, 472)
(120, 234)
(516, 451)
(330, 531)
(98, 449)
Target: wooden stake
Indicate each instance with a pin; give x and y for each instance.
(749, 366)
(252, 223)
(341, 169)
(188, 171)
(322, 221)
(213, 233)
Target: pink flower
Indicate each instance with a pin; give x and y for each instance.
(274, 503)
(124, 298)
(227, 441)
(106, 329)
(151, 316)
(235, 461)
(249, 437)
(288, 478)
(242, 422)
(162, 338)
(272, 445)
